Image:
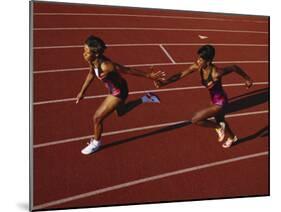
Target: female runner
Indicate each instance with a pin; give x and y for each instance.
(211, 77)
(109, 73)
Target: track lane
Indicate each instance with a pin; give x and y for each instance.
(55, 59)
(49, 21)
(77, 37)
(186, 186)
(49, 59)
(41, 7)
(74, 120)
(110, 166)
(183, 53)
(61, 89)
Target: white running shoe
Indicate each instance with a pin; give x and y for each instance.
(229, 142)
(221, 131)
(92, 147)
(150, 98)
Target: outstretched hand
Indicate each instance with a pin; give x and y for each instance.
(156, 75)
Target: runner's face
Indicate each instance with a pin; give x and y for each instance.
(201, 62)
(88, 55)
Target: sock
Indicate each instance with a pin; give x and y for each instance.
(94, 140)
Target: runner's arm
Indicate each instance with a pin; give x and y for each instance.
(149, 75)
(90, 77)
(177, 76)
(236, 69)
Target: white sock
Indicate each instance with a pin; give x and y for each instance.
(95, 141)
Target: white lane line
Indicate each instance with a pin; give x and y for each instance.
(155, 44)
(149, 29)
(148, 179)
(167, 54)
(145, 91)
(151, 64)
(146, 16)
(60, 70)
(137, 129)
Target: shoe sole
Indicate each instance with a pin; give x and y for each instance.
(234, 141)
(90, 152)
(98, 148)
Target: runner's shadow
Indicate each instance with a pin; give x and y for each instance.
(237, 103)
(264, 132)
(248, 100)
(162, 130)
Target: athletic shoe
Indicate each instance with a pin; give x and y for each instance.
(229, 142)
(221, 131)
(150, 98)
(92, 147)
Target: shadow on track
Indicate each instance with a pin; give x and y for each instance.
(164, 129)
(264, 132)
(248, 100)
(237, 103)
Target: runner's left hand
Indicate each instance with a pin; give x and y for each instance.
(249, 83)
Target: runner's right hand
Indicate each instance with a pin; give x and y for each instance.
(158, 83)
(79, 97)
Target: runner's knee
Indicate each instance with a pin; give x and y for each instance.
(98, 118)
(195, 119)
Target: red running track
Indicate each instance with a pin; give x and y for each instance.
(147, 155)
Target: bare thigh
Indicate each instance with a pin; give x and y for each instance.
(107, 107)
(206, 113)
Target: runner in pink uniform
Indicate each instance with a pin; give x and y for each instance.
(108, 72)
(211, 77)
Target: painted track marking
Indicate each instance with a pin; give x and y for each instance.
(145, 16)
(147, 28)
(155, 44)
(167, 54)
